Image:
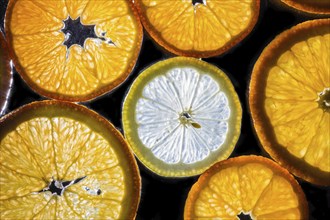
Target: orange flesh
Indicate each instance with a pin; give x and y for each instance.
(78, 72)
(199, 30)
(252, 185)
(296, 79)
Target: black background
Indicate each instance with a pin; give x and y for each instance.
(164, 198)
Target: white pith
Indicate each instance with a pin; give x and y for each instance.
(165, 98)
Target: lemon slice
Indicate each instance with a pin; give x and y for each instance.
(62, 161)
(73, 50)
(5, 75)
(198, 28)
(253, 187)
(315, 6)
(180, 116)
(289, 100)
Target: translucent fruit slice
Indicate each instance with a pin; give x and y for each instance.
(251, 186)
(63, 161)
(5, 74)
(198, 28)
(180, 116)
(290, 100)
(315, 6)
(73, 50)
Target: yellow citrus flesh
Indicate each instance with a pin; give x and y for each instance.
(73, 72)
(252, 185)
(46, 141)
(315, 6)
(289, 100)
(199, 30)
(180, 116)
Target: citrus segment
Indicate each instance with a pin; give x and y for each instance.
(316, 6)
(180, 116)
(320, 156)
(32, 48)
(252, 185)
(79, 73)
(293, 213)
(48, 211)
(207, 22)
(53, 61)
(64, 210)
(76, 7)
(16, 184)
(56, 8)
(230, 195)
(85, 161)
(104, 10)
(20, 160)
(277, 196)
(120, 35)
(98, 187)
(298, 133)
(74, 50)
(85, 210)
(65, 161)
(158, 8)
(28, 19)
(233, 15)
(39, 148)
(110, 60)
(198, 28)
(184, 29)
(25, 207)
(289, 100)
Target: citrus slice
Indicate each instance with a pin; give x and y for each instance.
(253, 187)
(180, 116)
(315, 6)
(290, 100)
(73, 50)
(60, 160)
(198, 28)
(5, 74)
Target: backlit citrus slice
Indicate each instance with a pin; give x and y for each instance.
(251, 186)
(315, 6)
(290, 100)
(198, 28)
(62, 161)
(5, 74)
(180, 116)
(73, 50)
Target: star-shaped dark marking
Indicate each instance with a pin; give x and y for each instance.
(76, 33)
(58, 187)
(243, 216)
(194, 2)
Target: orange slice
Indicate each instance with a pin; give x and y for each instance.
(315, 6)
(290, 100)
(5, 74)
(73, 50)
(251, 186)
(61, 160)
(198, 28)
(180, 116)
